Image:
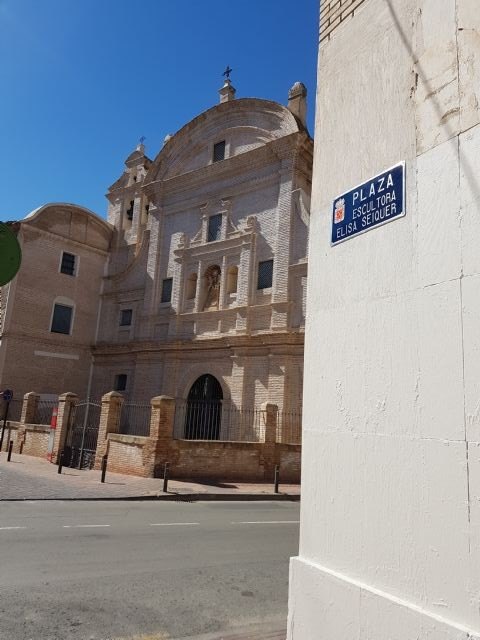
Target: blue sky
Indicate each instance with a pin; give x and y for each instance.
(82, 80)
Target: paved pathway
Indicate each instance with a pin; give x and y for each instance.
(28, 478)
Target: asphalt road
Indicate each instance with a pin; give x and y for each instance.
(108, 570)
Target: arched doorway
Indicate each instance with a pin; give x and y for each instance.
(203, 416)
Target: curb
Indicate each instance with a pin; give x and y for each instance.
(173, 497)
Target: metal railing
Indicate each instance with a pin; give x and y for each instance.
(289, 427)
(43, 411)
(215, 420)
(135, 419)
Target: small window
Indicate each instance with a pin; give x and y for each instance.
(167, 290)
(121, 382)
(147, 209)
(125, 317)
(214, 227)
(265, 274)
(68, 264)
(219, 151)
(62, 319)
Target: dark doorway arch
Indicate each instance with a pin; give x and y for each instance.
(203, 416)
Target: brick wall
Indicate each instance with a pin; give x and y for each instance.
(125, 454)
(206, 460)
(34, 438)
(333, 13)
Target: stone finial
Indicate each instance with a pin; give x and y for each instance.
(297, 101)
(227, 92)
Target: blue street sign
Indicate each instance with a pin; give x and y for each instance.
(369, 205)
(7, 395)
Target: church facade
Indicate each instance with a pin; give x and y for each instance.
(201, 278)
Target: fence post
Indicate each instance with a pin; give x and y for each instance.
(109, 423)
(270, 417)
(29, 407)
(157, 448)
(66, 405)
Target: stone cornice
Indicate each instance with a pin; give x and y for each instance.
(252, 342)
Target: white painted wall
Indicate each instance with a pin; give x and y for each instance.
(390, 523)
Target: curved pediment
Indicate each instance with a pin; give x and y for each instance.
(243, 124)
(72, 221)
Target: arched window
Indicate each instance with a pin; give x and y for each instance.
(232, 278)
(191, 288)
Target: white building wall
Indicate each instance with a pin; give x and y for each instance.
(390, 523)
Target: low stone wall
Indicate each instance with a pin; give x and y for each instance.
(289, 457)
(217, 460)
(126, 454)
(205, 459)
(33, 436)
(35, 440)
(10, 433)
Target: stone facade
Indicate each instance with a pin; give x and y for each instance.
(333, 13)
(200, 270)
(390, 520)
(191, 235)
(32, 356)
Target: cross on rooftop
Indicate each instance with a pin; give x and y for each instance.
(142, 139)
(227, 72)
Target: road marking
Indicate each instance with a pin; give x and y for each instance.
(268, 522)
(173, 524)
(83, 526)
(10, 528)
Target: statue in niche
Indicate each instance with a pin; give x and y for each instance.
(212, 277)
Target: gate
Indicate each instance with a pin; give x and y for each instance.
(81, 440)
(203, 416)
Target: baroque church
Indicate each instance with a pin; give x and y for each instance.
(194, 287)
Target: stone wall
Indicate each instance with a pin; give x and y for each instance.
(333, 13)
(206, 460)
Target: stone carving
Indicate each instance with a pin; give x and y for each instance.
(212, 277)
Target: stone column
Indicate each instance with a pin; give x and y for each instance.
(270, 417)
(281, 261)
(109, 423)
(29, 407)
(157, 448)
(66, 407)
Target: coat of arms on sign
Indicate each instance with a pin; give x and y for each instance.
(339, 214)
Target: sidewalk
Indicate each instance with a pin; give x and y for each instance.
(28, 478)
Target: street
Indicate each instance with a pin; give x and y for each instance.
(106, 570)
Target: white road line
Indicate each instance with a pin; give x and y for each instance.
(10, 528)
(269, 522)
(83, 526)
(172, 524)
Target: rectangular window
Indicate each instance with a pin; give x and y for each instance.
(214, 227)
(265, 274)
(121, 382)
(167, 290)
(219, 151)
(68, 264)
(62, 319)
(125, 317)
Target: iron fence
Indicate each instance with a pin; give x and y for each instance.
(135, 419)
(215, 420)
(43, 411)
(289, 427)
